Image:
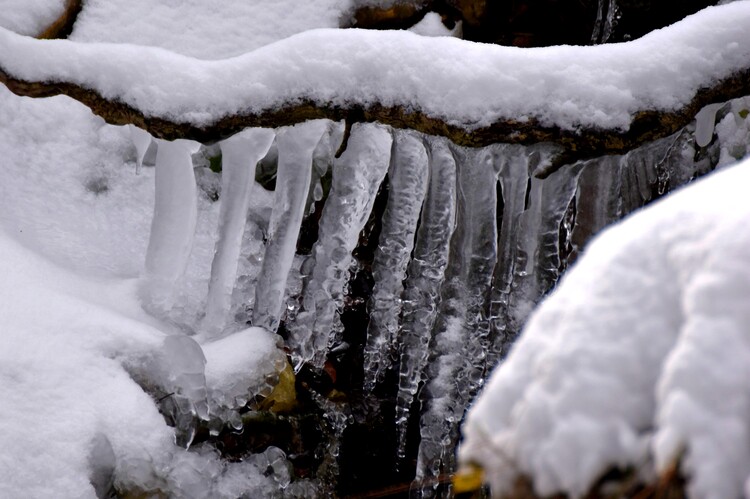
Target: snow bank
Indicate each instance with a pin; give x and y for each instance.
(641, 353)
(206, 30)
(30, 17)
(464, 83)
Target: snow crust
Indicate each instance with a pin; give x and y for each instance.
(639, 355)
(464, 83)
(30, 17)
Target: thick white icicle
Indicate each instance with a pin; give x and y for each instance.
(357, 174)
(406, 191)
(173, 225)
(425, 274)
(705, 121)
(461, 333)
(296, 145)
(240, 154)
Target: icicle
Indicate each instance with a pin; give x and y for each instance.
(296, 145)
(705, 121)
(173, 225)
(613, 16)
(240, 154)
(460, 329)
(425, 274)
(606, 20)
(532, 233)
(598, 196)
(145, 147)
(406, 190)
(513, 165)
(357, 174)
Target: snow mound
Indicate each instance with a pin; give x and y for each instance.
(206, 30)
(30, 17)
(639, 358)
(466, 84)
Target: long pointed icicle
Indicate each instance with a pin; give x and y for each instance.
(296, 145)
(357, 175)
(173, 225)
(425, 274)
(240, 154)
(458, 329)
(512, 164)
(406, 191)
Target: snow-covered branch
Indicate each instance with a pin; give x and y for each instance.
(591, 100)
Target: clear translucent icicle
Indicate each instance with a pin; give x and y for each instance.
(145, 147)
(538, 260)
(240, 154)
(296, 145)
(598, 197)
(173, 225)
(406, 191)
(425, 274)
(605, 22)
(357, 174)
(460, 329)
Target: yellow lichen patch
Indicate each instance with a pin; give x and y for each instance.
(468, 478)
(283, 398)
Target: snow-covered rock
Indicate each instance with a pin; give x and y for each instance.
(639, 358)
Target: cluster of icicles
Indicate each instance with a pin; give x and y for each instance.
(470, 241)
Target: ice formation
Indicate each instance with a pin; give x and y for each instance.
(407, 185)
(173, 224)
(470, 240)
(425, 274)
(357, 174)
(294, 172)
(240, 154)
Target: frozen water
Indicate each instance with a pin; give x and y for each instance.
(173, 224)
(425, 275)
(460, 334)
(357, 174)
(240, 154)
(407, 186)
(145, 147)
(296, 146)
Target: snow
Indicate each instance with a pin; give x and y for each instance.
(30, 17)
(205, 30)
(640, 353)
(74, 228)
(467, 84)
(432, 25)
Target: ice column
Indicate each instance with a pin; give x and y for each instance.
(461, 328)
(296, 145)
(357, 174)
(406, 191)
(173, 225)
(240, 154)
(426, 272)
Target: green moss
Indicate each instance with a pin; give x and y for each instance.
(214, 163)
